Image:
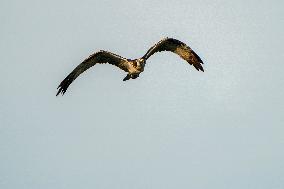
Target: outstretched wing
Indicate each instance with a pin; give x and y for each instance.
(98, 57)
(178, 47)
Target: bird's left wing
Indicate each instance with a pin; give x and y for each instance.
(177, 47)
(98, 57)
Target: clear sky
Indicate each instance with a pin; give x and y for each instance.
(173, 127)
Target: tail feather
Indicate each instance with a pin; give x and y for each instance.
(128, 76)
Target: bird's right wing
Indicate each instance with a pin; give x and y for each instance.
(177, 47)
(98, 57)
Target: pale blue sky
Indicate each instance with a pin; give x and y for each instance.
(173, 127)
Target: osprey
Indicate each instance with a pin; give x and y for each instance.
(132, 67)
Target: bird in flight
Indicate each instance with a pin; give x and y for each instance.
(132, 67)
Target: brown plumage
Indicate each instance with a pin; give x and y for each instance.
(178, 47)
(136, 66)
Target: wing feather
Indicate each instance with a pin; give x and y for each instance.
(98, 57)
(179, 48)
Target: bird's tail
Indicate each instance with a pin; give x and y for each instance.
(128, 76)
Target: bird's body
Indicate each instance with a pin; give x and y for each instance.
(133, 67)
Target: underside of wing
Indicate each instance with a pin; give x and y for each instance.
(179, 48)
(98, 57)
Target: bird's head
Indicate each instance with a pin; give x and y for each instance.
(141, 62)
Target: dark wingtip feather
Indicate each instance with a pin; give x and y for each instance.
(65, 84)
(58, 92)
(198, 58)
(198, 62)
(198, 67)
(201, 68)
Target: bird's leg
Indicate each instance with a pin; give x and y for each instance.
(128, 76)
